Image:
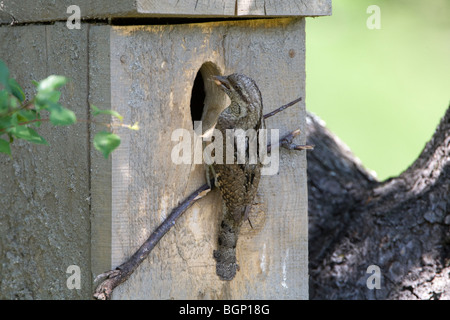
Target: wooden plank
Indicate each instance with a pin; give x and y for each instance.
(101, 173)
(44, 203)
(48, 10)
(283, 8)
(187, 7)
(152, 72)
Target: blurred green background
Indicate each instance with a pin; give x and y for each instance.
(382, 92)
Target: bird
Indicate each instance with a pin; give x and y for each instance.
(238, 180)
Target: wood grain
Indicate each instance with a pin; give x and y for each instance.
(152, 72)
(26, 11)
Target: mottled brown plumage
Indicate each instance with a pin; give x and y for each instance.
(237, 181)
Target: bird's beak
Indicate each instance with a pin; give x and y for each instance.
(221, 82)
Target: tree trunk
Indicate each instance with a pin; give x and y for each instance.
(401, 225)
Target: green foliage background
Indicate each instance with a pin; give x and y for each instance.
(382, 91)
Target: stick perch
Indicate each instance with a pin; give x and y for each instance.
(111, 279)
(115, 277)
(287, 105)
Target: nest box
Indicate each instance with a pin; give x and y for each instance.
(152, 61)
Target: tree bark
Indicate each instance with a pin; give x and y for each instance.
(401, 225)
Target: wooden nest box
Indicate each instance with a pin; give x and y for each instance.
(152, 61)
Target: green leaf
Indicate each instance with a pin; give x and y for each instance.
(27, 115)
(28, 134)
(4, 101)
(51, 83)
(5, 147)
(97, 111)
(106, 142)
(5, 122)
(13, 103)
(44, 99)
(61, 116)
(14, 121)
(49, 96)
(37, 124)
(10, 84)
(16, 90)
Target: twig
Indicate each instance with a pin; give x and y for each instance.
(286, 142)
(112, 278)
(274, 112)
(115, 277)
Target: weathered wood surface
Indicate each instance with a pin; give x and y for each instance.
(44, 190)
(100, 170)
(152, 72)
(46, 10)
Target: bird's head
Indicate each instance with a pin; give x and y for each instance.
(241, 89)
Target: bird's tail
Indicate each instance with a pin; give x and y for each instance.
(225, 255)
